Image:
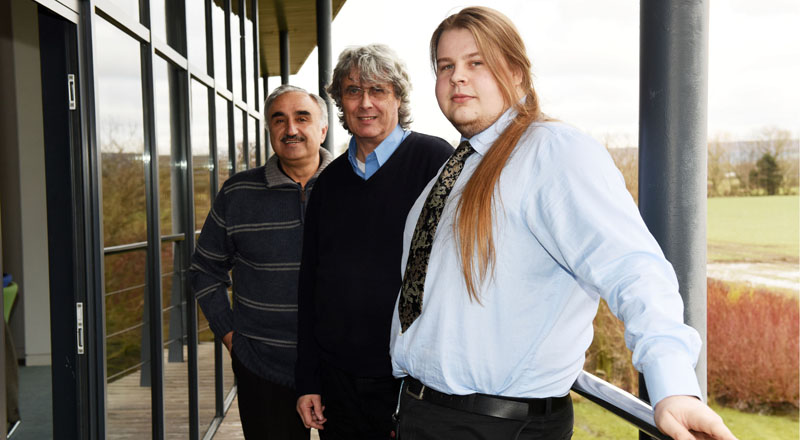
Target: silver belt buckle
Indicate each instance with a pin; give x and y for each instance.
(417, 396)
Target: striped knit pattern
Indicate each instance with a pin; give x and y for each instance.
(254, 232)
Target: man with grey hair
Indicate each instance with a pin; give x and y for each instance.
(255, 229)
(352, 248)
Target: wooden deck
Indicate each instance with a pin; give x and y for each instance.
(129, 406)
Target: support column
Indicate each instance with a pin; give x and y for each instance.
(673, 105)
(324, 62)
(284, 42)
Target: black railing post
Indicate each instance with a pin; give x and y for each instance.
(284, 51)
(324, 61)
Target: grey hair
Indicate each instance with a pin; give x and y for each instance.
(286, 88)
(375, 63)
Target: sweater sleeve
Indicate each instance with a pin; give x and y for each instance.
(212, 260)
(307, 377)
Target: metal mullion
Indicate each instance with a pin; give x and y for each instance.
(153, 274)
(256, 62)
(113, 14)
(258, 99)
(79, 252)
(228, 44)
(232, 138)
(212, 133)
(165, 50)
(91, 189)
(191, 303)
(243, 71)
(201, 76)
(242, 50)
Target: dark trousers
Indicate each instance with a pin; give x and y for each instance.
(357, 408)
(421, 420)
(267, 410)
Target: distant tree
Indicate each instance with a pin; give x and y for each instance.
(779, 144)
(719, 167)
(768, 174)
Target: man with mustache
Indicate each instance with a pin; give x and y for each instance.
(507, 254)
(349, 279)
(255, 229)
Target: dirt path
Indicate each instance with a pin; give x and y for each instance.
(785, 276)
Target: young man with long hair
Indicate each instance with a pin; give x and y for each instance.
(507, 254)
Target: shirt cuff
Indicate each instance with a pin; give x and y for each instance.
(222, 324)
(671, 378)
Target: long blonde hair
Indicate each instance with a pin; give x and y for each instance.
(501, 46)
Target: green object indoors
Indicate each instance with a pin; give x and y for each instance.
(9, 295)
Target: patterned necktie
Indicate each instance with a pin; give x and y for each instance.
(417, 265)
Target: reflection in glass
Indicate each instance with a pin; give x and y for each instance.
(248, 53)
(202, 171)
(201, 157)
(176, 392)
(251, 141)
(224, 167)
(236, 44)
(196, 34)
(220, 54)
(238, 139)
(129, 7)
(121, 139)
(158, 22)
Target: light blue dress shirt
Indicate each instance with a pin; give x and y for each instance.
(566, 232)
(380, 155)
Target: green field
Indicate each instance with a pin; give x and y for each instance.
(593, 422)
(763, 229)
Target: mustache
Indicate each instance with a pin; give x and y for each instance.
(292, 137)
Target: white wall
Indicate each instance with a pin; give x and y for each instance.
(24, 210)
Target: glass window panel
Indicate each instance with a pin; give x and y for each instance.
(220, 53)
(121, 139)
(236, 54)
(224, 167)
(196, 33)
(176, 390)
(261, 146)
(163, 12)
(158, 21)
(248, 53)
(202, 169)
(261, 97)
(130, 7)
(201, 157)
(251, 141)
(238, 136)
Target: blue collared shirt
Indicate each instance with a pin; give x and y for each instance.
(566, 233)
(380, 155)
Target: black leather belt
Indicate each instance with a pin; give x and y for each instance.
(494, 406)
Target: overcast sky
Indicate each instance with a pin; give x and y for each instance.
(585, 58)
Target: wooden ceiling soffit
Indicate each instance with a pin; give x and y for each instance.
(299, 17)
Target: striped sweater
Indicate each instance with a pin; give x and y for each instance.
(255, 230)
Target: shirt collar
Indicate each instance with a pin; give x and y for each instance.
(484, 140)
(274, 177)
(384, 149)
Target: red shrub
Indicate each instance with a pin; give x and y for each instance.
(752, 348)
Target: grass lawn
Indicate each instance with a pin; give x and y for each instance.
(763, 229)
(593, 422)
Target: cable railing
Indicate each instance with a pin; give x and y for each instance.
(177, 332)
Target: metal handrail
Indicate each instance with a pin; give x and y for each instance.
(618, 401)
(122, 248)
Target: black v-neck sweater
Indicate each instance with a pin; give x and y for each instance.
(350, 273)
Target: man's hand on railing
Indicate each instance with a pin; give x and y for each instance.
(688, 418)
